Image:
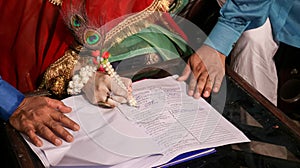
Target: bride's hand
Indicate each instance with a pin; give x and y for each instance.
(102, 89)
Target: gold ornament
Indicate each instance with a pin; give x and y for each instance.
(56, 2)
(58, 74)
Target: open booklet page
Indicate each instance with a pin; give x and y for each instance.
(166, 123)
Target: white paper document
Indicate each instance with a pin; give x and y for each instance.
(166, 123)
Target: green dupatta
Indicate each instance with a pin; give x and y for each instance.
(154, 39)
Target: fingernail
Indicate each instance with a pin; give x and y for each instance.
(190, 93)
(69, 138)
(58, 142)
(197, 95)
(216, 89)
(76, 127)
(205, 94)
(39, 143)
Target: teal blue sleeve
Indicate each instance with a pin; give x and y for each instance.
(236, 16)
(10, 99)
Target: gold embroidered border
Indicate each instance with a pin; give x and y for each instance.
(135, 23)
(58, 75)
(56, 2)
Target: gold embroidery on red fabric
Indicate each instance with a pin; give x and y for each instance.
(56, 2)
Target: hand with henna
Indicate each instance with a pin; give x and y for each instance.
(103, 90)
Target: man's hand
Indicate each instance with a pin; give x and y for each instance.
(205, 70)
(44, 117)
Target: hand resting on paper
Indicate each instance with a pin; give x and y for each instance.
(103, 90)
(44, 117)
(205, 71)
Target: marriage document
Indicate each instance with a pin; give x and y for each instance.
(166, 123)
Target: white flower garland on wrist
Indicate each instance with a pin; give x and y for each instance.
(101, 64)
(79, 80)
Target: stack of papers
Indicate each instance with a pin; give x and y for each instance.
(166, 124)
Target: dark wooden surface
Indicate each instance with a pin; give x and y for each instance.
(265, 102)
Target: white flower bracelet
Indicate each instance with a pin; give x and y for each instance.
(79, 80)
(101, 64)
